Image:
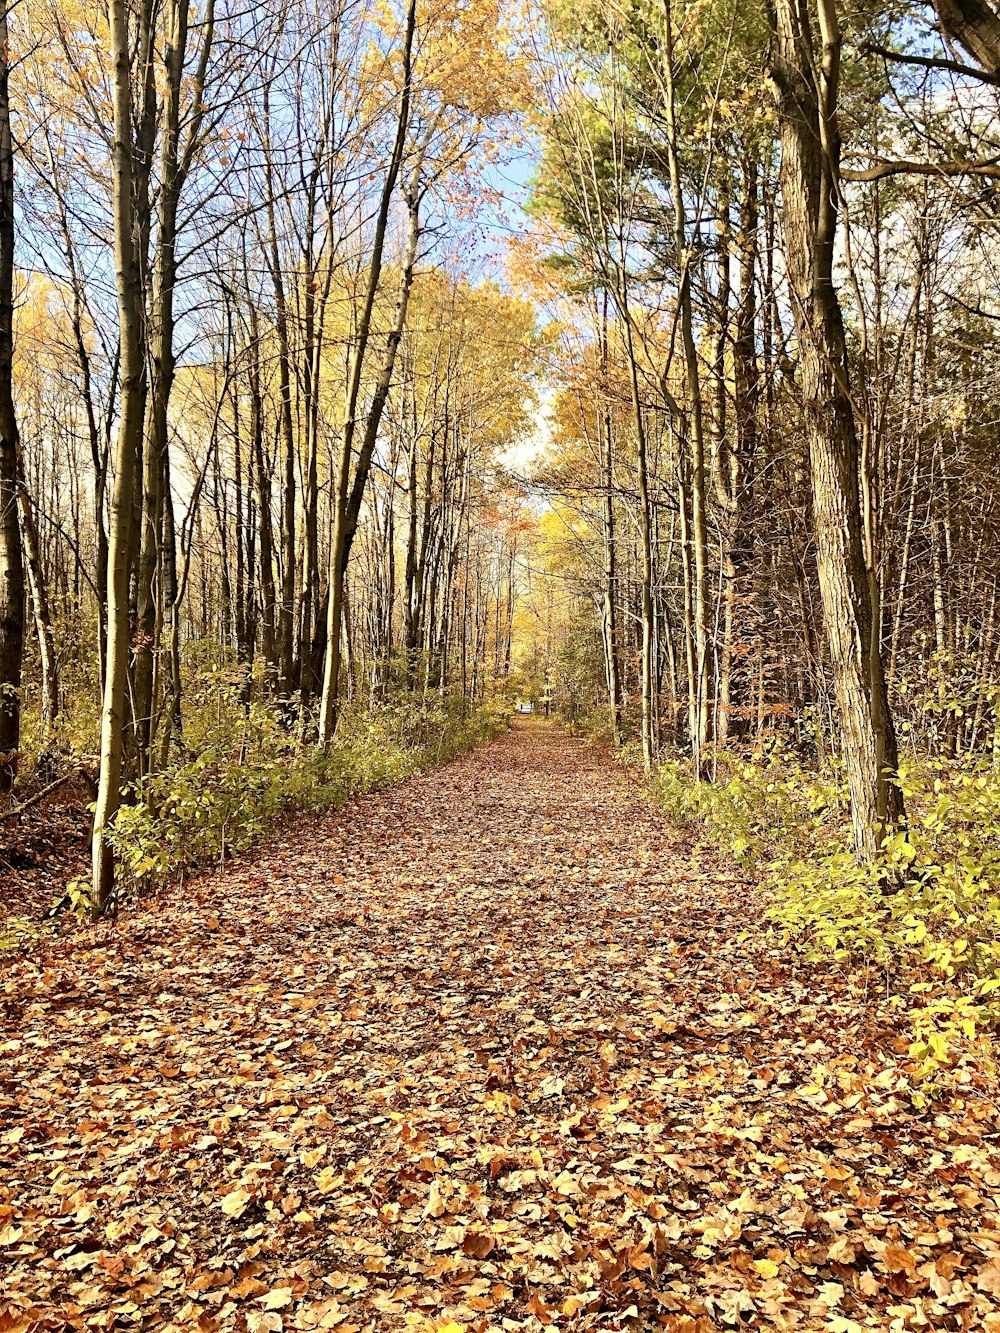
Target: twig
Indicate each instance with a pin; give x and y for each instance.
(38, 796)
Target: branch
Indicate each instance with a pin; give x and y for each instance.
(972, 309)
(38, 796)
(886, 167)
(930, 62)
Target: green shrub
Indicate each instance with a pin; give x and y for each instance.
(937, 936)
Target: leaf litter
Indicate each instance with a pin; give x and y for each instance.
(489, 1050)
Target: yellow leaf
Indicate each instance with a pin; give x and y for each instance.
(327, 1180)
(234, 1204)
(422, 1324)
(436, 1206)
(766, 1267)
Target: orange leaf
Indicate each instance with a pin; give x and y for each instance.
(477, 1244)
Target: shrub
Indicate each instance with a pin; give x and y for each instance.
(937, 937)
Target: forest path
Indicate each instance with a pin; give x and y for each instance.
(487, 1047)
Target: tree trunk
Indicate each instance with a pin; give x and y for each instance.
(695, 434)
(11, 563)
(975, 25)
(40, 606)
(646, 549)
(286, 610)
(810, 151)
(612, 648)
(128, 281)
(347, 499)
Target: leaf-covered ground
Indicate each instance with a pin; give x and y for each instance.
(487, 1050)
(40, 852)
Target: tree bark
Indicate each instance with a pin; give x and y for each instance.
(128, 228)
(806, 94)
(40, 604)
(975, 25)
(11, 562)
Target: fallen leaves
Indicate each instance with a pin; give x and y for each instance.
(263, 1321)
(477, 1244)
(898, 1260)
(486, 1052)
(235, 1203)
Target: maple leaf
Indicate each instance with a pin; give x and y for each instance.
(898, 1260)
(277, 1299)
(831, 1293)
(264, 1321)
(537, 1307)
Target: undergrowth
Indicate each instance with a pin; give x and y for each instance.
(936, 937)
(245, 770)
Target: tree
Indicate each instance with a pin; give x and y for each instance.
(807, 91)
(348, 494)
(156, 572)
(11, 561)
(130, 210)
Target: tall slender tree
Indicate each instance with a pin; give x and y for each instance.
(11, 560)
(130, 213)
(806, 83)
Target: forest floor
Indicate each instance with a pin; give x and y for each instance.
(40, 852)
(489, 1050)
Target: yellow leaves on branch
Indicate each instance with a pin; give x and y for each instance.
(473, 55)
(63, 45)
(470, 60)
(43, 335)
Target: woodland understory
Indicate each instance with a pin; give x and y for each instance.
(374, 373)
